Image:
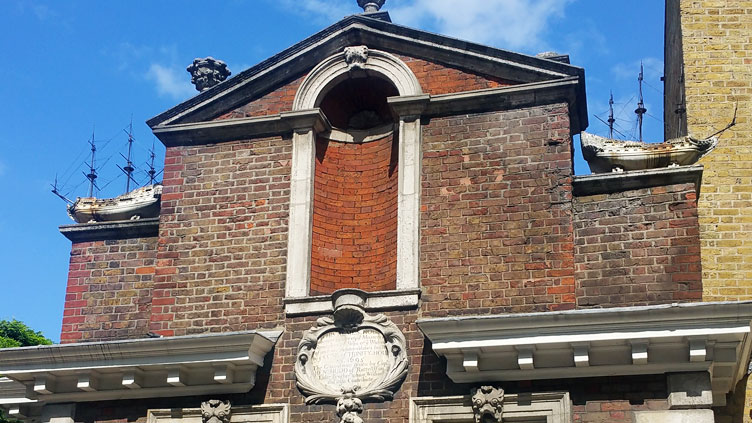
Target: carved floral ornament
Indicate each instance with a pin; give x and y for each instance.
(215, 411)
(488, 404)
(350, 357)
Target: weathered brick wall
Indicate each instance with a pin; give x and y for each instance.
(637, 247)
(223, 237)
(109, 290)
(354, 242)
(496, 221)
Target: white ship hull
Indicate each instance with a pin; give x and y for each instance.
(142, 202)
(609, 155)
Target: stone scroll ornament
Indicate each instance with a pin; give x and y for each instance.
(215, 411)
(351, 357)
(488, 404)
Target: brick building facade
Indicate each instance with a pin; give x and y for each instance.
(436, 177)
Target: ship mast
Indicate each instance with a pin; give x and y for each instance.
(128, 169)
(56, 192)
(681, 108)
(611, 119)
(641, 110)
(92, 175)
(152, 173)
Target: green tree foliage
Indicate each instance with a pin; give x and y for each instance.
(16, 334)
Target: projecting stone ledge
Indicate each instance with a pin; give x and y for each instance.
(206, 364)
(605, 183)
(99, 231)
(710, 342)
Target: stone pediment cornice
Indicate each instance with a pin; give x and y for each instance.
(374, 33)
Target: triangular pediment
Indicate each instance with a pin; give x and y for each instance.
(294, 63)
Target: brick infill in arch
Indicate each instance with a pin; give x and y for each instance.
(354, 240)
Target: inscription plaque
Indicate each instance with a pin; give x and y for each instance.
(345, 360)
(350, 357)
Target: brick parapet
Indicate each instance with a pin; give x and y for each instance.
(109, 290)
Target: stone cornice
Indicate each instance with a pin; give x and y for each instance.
(140, 368)
(241, 129)
(491, 99)
(424, 105)
(98, 231)
(712, 337)
(604, 183)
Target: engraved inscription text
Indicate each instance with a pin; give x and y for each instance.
(345, 360)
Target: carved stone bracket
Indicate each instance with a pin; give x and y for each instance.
(488, 404)
(351, 357)
(215, 411)
(356, 57)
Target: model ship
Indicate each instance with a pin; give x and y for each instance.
(610, 155)
(606, 154)
(142, 202)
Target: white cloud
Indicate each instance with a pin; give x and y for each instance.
(508, 24)
(170, 81)
(653, 70)
(324, 11)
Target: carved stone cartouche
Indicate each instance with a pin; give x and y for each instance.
(207, 72)
(487, 404)
(363, 357)
(215, 411)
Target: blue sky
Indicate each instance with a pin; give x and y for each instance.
(82, 66)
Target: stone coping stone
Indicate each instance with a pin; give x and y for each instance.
(100, 231)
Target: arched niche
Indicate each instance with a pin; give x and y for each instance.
(354, 62)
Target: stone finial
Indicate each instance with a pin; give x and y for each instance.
(215, 411)
(370, 6)
(208, 72)
(487, 402)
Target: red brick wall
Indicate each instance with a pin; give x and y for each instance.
(638, 247)
(436, 79)
(109, 290)
(277, 101)
(354, 243)
(496, 221)
(223, 237)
